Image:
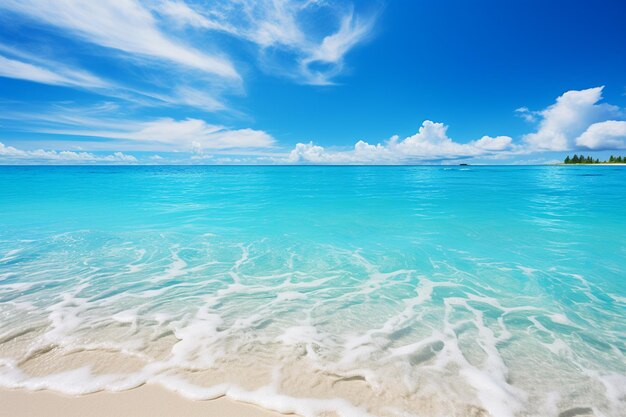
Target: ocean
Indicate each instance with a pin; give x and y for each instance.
(350, 291)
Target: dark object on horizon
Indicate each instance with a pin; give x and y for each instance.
(589, 160)
(463, 165)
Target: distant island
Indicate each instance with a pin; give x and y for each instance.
(581, 159)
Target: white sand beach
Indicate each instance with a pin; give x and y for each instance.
(145, 401)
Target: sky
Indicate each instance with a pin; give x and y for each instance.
(311, 81)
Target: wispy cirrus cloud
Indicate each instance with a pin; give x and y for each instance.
(152, 67)
(22, 65)
(108, 121)
(289, 45)
(60, 75)
(185, 135)
(334, 47)
(162, 62)
(124, 25)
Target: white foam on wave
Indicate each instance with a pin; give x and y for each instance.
(615, 385)
(17, 286)
(10, 255)
(392, 332)
(176, 268)
(65, 315)
(199, 340)
(127, 316)
(82, 381)
(300, 335)
(560, 319)
(137, 265)
(618, 298)
(74, 382)
(290, 296)
(497, 396)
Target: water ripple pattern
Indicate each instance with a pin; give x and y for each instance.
(347, 291)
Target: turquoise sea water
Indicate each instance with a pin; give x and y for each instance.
(388, 291)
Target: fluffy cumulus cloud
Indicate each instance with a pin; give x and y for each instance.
(431, 142)
(10, 154)
(610, 134)
(578, 119)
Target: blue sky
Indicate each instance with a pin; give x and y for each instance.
(290, 82)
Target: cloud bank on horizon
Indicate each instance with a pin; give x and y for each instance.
(577, 121)
(154, 82)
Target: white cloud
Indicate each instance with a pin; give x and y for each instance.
(108, 120)
(488, 143)
(180, 13)
(430, 143)
(12, 154)
(305, 40)
(12, 68)
(124, 25)
(577, 120)
(186, 135)
(610, 134)
(334, 47)
(194, 98)
(526, 114)
(317, 51)
(26, 66)
(572, 114)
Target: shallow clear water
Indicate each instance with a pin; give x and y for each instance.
(388, 291)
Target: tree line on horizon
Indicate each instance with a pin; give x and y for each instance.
(581, 159)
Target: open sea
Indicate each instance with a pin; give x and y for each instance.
(323, 291)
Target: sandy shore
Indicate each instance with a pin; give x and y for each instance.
(619, 164)
(145, 401)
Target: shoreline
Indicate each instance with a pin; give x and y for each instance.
(595, 165)
(145, 401)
